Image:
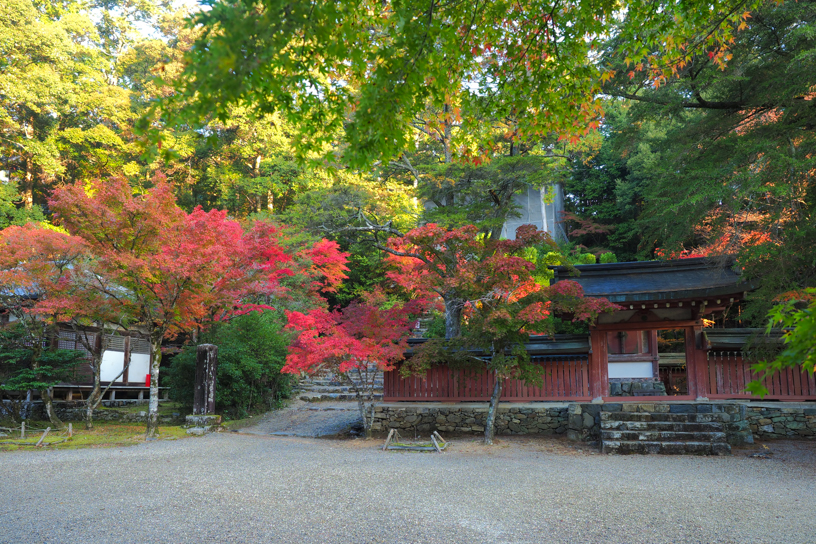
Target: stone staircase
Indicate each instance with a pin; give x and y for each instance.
(690, 429)
(332, 388)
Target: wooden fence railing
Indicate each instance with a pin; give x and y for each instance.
(675, 378)
(728, 374)
(564, 378)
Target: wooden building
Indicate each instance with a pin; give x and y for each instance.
(657, 346)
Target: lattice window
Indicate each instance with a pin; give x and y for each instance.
(139, 345)
(114, 343)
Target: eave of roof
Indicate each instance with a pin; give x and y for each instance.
(539, 346)
(656, 280)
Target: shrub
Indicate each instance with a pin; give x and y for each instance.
(252, 350)
(608, 257)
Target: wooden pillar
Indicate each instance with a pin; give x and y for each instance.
(654, 354)
(700, 362)
(598, 365)
(206, 369)
(126, 361)
(695, 362)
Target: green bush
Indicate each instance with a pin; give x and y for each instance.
(608, 257)
(251, 352)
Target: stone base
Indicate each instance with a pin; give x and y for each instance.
(199, 425)
(636, 387)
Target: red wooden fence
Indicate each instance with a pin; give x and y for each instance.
(564, 378)
(728, 374)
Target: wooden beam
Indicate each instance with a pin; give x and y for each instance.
(646, 325)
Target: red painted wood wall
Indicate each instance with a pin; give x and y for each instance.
(565, 378)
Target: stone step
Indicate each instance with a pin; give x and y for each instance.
(665, 417)
(662, 436)
(320, 397)
(333, 383)
(662, 426)
(333, 389)
(666, 448)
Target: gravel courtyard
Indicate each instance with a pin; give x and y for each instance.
(251, 488)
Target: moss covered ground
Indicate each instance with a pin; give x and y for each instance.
(104, 435)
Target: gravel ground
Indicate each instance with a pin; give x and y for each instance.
(249, 488)
(309, 419)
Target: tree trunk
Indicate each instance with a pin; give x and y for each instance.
(270, 201)
(153, 407)
(44, 395)
(96, 367)
(490, 424)
(56, 423)
(453, 317)
(28, 185)
(93, 398)
(360, 387)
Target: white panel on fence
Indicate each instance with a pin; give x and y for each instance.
(112, 364)
(139, 367)
(630, 370)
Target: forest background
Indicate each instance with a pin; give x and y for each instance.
(706, 153)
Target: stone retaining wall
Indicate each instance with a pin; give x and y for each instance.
(768, 421)
(75, 411)
(465, 419)
(582, 421)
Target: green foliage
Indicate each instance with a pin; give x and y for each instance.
(607, 258)
(436, 327)
(24, 365)
(604, 196)
(798, 318)
(252, 349)
(719, 153)
(12, 211)
(332, 67)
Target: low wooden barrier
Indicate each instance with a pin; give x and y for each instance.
(564, 378)
(728, 374)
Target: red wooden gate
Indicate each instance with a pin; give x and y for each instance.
(728, 374)
(564, 378)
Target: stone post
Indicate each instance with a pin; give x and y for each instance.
(206, 367)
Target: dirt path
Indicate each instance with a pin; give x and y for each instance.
(310, 419)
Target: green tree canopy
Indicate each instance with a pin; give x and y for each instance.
(369, 68)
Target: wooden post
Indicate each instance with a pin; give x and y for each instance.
(206, 369)
(22, 431)
(654, 354)
(700, 362)
(126, 361)
(691, 361)
(598, 365)
(40, 441)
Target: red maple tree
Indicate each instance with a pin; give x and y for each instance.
(495, 287)
(172, 271)
(355, 343)
(39, 269)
